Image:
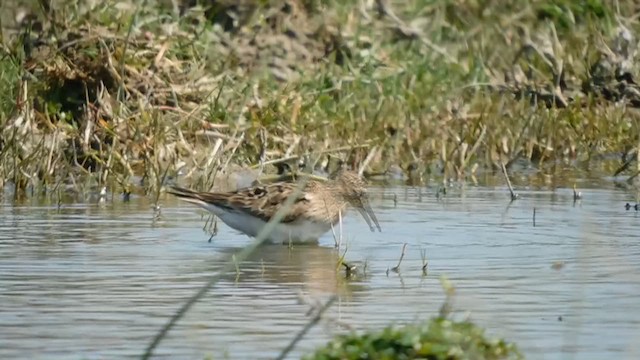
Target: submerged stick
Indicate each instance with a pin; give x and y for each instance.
(425, 262)
(307, 327)
(348, 269)
(514, 196)
(397, 267)
(577, 195)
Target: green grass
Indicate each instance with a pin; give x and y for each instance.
(438, 338)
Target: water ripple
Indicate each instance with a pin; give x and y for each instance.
(98, 280)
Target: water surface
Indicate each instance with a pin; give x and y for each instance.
(97, 280)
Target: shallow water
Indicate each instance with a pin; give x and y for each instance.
(96, 281)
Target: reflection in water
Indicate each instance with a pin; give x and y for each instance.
(311, 268)
(98, 280)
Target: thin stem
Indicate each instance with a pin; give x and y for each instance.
(307, 327)
(230, 265)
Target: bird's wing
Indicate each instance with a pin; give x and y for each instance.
(262, 201)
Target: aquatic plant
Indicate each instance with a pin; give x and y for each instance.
(439, 338)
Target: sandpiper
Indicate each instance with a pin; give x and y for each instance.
(317, 207)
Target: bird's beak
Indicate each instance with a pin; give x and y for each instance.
(367, 213)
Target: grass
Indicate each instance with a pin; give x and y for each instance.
(125, 97)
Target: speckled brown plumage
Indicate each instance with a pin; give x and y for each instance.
(318, 205)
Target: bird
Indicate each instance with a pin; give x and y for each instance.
(316, 208)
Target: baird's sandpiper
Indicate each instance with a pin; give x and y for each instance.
(317, 207)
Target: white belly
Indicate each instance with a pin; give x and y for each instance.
(283, 233)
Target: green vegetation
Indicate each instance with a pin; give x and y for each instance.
(123, 95)
(565, 12)
(439, 338)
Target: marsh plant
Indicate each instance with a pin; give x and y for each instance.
(129, 96)
(439, 338)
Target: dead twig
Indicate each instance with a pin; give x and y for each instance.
(514, 196)
(397, 267)
(474, 148)
(425, 261)
(367, 160)
(337, 238)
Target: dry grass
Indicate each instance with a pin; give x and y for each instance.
(129, 96)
